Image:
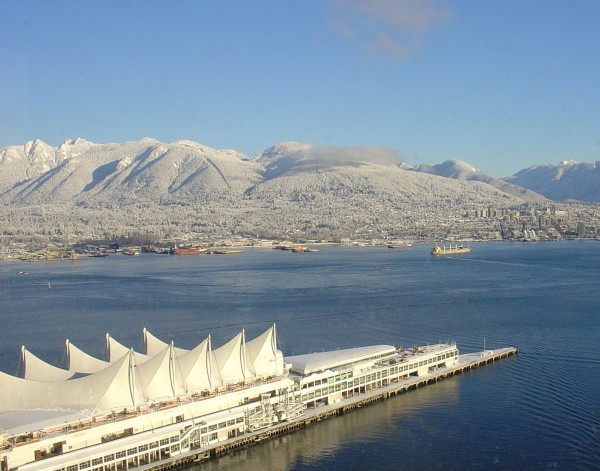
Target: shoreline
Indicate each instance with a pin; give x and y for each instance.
(41, 257)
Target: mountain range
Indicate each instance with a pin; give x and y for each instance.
(173, 187)
(569, 180)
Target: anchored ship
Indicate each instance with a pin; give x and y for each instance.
(187, 250)
(450, 250)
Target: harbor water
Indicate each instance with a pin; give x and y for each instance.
(537, 410)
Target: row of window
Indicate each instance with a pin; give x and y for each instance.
(221, 425)
(119, 455)
(331, 380)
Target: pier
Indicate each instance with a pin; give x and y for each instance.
(466, 362)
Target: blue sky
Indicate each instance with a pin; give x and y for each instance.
(500, 84)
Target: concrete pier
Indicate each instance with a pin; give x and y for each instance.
(466, 362)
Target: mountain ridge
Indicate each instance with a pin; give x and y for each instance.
(569, 180)
(183, 187)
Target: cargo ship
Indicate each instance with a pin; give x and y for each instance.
(187, 250)
(450, 250)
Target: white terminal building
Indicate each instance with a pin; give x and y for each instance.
(141, 409)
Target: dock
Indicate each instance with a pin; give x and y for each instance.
(310, 416)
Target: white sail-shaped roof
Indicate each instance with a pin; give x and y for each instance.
(160, 377)
(113, 388)
(117, 350)
(262, 355)
(124, 383)
(154, 345)
(81, 362)
(196, 367)
(36, 369)
(230, 361)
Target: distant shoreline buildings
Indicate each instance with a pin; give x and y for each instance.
(529, 223)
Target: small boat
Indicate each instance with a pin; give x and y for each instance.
(450, 250)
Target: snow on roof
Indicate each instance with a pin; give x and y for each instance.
(17, 422)
(313, 362)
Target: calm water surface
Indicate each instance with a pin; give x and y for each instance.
(538, 410)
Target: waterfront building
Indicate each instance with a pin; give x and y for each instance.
(140, 410)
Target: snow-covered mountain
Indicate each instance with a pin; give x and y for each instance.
(452, 168)
(81, 188)
(569, 180)
(81, 171)
(460, 170)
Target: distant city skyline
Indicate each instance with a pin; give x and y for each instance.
(502, 85)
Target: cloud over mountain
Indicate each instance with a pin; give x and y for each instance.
(370, 154)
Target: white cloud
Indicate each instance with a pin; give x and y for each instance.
(372, 154)
(388, 27)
